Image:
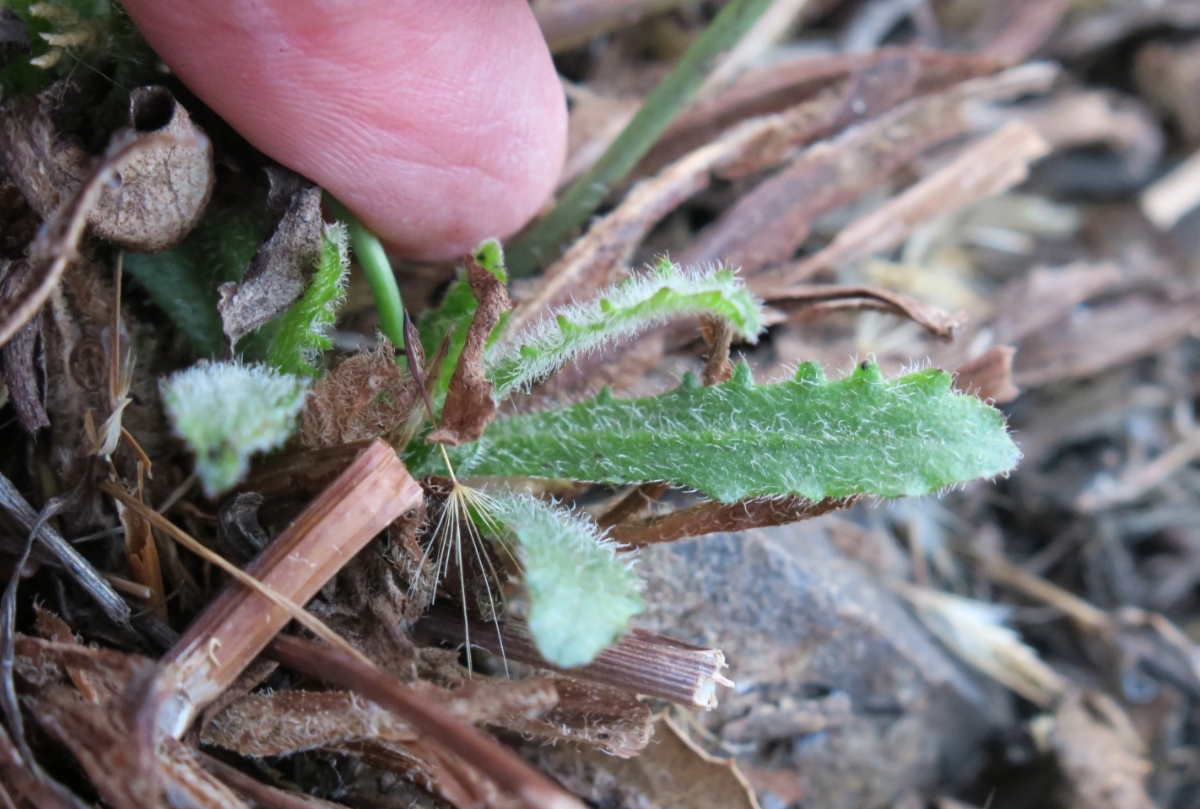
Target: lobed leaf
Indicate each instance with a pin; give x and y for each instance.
(636, 304)
(226, 412)
(303, 329)
(581, 594)
(806, 436)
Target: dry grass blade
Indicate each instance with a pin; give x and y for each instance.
(56, 244)
(823, 297)
(236, 625)
(767, 225)
(599, 257)
(262, 796)
(984, 169)
(498, 763)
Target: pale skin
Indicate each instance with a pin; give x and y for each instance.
(437, 122)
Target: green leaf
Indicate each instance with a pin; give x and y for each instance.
(303, 329)
(581, 594)
(806, 436)
(227, 411)
(183, 280)
(636, 304)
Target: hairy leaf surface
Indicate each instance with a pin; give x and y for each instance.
(636, 304)
(303, 328)
(806, 436)
(581, 594)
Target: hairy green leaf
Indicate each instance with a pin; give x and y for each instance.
(226, 412)
(581, 593)
(636, 304)
(303, 329)
(806, 436)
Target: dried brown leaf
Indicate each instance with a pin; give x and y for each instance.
(712, 517)
(825, 297)
(983, 169)
(98, 737)
(1112, 334)
(672, 772)
(161, 192)
(280, 270)
(989, 376)
(1046, 294)
(767, 225)
(1100, 754)
(600, 256)
(469, 404)
(286, 722)
(597, 715)
(366, 396)
(433, 722)
(776, 87)
(435, 770)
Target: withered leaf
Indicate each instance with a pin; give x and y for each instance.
(713, 517)
(162, 191)
(599, 716)
(767, 225)
(469, 405)
(672, 773)
(937, 322)
(280, 270)
(366, 396)
(286, 722)
(989, 376)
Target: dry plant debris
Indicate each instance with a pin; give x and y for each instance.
(947, 206)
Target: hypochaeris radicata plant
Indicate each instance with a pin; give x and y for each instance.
(439, 402)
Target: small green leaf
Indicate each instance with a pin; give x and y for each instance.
(806, 436)
(227, 411)
(303, 329)
(581, 594)
(636, 304)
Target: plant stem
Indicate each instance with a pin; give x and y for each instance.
(657, 112)
(377, 268)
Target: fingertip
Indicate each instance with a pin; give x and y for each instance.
(438, 124)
